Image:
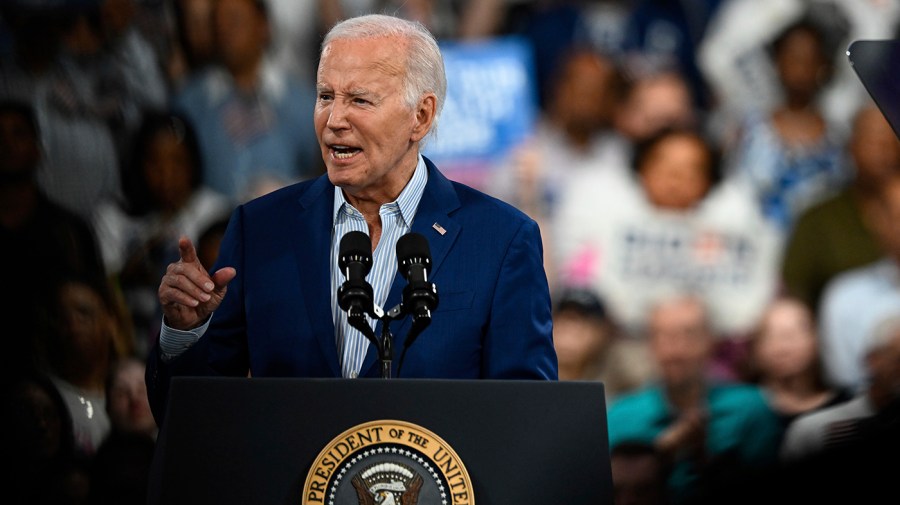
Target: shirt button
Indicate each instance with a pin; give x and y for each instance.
(354, 375)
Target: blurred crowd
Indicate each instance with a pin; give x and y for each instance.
(718, 195)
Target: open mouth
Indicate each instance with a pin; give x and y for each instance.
(344, 152)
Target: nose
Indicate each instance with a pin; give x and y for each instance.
(337, 117)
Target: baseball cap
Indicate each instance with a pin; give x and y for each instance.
(580, 299)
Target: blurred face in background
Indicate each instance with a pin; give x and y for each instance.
(168, 170)
(801, 63)
(241, 34)
(87, 325)
(675, 174)
(884, 216)
(585, 95)
(654, 103)
(82, 37)
(681, 340)
(874, 147)
(787, 345)
(578, 338)
(197, 30)
(127, 403)
(117, 15)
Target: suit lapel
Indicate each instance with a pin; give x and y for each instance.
(438, 201)
(432, 216)
(312, 247)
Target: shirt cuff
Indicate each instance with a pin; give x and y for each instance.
(173, 342)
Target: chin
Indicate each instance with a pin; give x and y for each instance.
(341, 178)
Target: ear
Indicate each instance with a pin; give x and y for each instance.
(425, 113)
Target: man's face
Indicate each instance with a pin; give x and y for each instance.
(680, 340)
(584, 97)
(364, 127)
(241, 33)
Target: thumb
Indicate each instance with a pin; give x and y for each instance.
(222, 277)
(187, 251)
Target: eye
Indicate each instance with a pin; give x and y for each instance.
(361, 101)
(325, 97)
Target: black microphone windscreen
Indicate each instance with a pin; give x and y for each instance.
(413, 246)
(356, 243)
(355, 246)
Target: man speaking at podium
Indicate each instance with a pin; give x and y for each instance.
(269, 306)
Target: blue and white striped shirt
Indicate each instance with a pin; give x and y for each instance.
(396, 221)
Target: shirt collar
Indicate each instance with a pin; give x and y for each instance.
(408, 201)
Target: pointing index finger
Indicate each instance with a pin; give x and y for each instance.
(187, 250)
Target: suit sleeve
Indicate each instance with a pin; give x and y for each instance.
(222, 350)
(519, 342)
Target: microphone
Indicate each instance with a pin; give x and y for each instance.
(420, 297)
(355, 295)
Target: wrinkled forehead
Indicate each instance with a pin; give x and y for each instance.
(385, 55)
(678, 313)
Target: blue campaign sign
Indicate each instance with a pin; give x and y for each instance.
(491, 105)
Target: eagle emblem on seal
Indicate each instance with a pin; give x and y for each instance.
(387, 484)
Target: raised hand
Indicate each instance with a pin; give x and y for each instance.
(187, 293)
(686, 436)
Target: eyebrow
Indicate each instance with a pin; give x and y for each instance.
(353, 92)
(359, 92)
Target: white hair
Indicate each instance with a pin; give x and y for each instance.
(424, 72)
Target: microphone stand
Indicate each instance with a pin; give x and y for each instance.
(419, 323)
(385, 344)
(356, 316)
(386, 347)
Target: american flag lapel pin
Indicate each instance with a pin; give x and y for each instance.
(440, 229)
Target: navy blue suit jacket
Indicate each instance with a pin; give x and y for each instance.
(493, 318)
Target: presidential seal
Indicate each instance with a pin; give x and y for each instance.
(387, 463)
